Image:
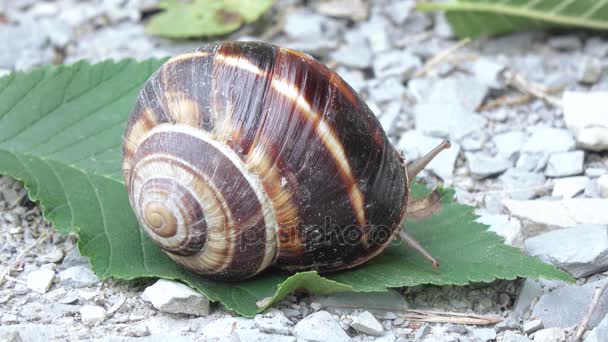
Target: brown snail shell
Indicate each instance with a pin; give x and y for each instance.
(243, 155)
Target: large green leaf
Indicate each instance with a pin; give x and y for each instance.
(198, 18)
(61, 131)
(474, 18)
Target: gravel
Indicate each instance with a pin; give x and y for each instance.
(528, 169)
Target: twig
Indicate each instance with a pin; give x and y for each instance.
(597, 295)
(521, 83)
(449, 317)
(13, 279)
(440, 57)
(511, 101)
(4, 273)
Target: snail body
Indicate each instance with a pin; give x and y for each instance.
(243, 156)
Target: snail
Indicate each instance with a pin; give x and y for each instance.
(242, 156)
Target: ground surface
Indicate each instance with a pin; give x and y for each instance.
(533, 150)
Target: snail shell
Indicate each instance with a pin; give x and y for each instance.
(243, 155)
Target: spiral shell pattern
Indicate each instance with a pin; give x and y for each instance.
(242, 155)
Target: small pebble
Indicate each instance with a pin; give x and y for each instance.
(40, 280)
(92, 314)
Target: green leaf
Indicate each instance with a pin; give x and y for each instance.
(198, 18)
(60, 133)
(475, 18)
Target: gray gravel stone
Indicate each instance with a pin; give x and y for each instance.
(532, 326)
(565, 164)
(585, 117)
(530, 291)
(602, 183)
(366, 323)
(304, 24)
(447, 120)
(465, 91)
(565, 42)
(489, 72)
(389, 89)
(521, 184)
(577, 261)
(390, 301)
(402, 64)
(320, 326)
(600, 333)
(78, 276)
(569, 187)
(564, 307)
(508, 144)
(590, 71)
(483, 166)
(171, 296)
(547, 140)
(510, 336)
(550, 335)
(355, 54)
(24, 46)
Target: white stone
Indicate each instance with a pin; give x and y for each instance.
(565, 213)
(483, 166)
(273, 322)
(320, 326)
(78, 276)
(247, 335)
(565, 164)
(532, 326)
(547, 140)
(583, 250)
(484, 334)
(507, 227)
(366, 323)
(550, 335)
(171, 296)
(40, 280)
(509, 143)
(602, 183)
(569, 187)
(489, 72)
(414, 145)
(92, 314)
(585, 116)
